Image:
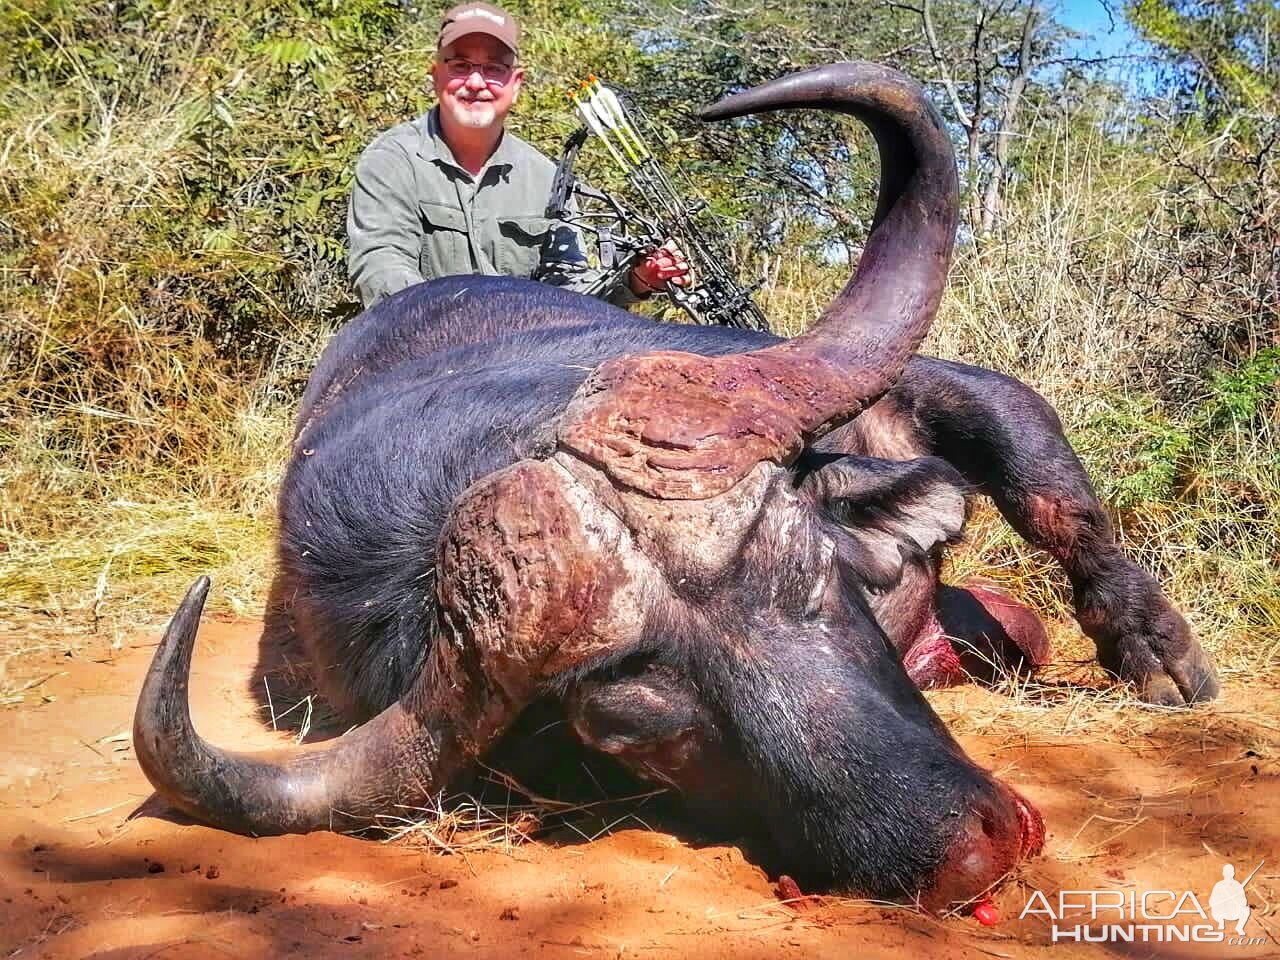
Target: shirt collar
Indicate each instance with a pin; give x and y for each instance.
(434, 147)
(505, 154)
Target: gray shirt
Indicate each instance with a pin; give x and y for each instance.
(416, 214)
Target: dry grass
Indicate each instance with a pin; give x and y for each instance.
(1049, 303)
(464, 823)
(133, 458)
(130, 456)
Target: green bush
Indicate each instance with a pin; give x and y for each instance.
(173, 181)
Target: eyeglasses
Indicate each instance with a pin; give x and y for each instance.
(460, 67)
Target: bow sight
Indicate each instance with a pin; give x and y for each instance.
(626, 234)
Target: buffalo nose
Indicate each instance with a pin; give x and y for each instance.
(995, 835)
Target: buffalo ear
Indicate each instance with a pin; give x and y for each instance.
(893, 510)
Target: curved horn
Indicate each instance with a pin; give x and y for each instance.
(680, 426)
(396, 758)
(531, 581)
(885, 310)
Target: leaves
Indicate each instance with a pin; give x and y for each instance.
(1223, 53)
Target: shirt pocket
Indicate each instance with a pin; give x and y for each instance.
(518, 246)
(445, 251)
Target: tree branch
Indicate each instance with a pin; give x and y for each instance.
(931, 35)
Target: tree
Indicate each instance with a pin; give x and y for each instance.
(1218, 128)
(1220, 56)
(985, 71)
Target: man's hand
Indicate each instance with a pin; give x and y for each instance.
(667, 263)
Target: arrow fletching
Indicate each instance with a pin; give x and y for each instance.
(593, 123)
(613, 106)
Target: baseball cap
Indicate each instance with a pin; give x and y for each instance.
(478, 17)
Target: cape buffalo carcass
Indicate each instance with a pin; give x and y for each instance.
(715, 548)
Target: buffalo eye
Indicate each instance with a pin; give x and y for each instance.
(889, 510)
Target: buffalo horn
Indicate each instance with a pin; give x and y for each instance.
(395, 760)
(681, 426)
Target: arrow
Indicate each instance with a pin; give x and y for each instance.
(614, 107)
(610, 120)
(596, 127)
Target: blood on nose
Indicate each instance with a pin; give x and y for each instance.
(993, 838)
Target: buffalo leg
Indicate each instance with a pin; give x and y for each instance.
(1008, 442)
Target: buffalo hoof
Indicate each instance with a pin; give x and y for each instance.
(979, 634)
(1161, 676)
(1142, 640)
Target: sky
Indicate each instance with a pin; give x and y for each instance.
(1103, 34)
(1106, 34)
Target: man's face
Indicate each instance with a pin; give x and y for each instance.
(476, 81)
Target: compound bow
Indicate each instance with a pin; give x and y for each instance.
(625, 235)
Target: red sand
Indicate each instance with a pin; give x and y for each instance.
(78, 878)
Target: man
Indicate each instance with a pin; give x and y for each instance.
(452, 192)
(1228, 900)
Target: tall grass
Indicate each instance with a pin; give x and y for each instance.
(137, 451)
(1190, 466)
(131, 452)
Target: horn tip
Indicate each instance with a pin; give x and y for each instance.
(173, 654)
(715, 111)
(179, 636)
(187, 616)
(161, 718)
(196, 596)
